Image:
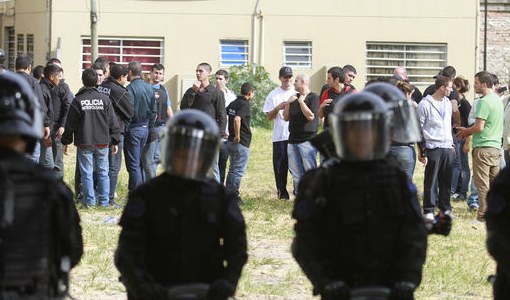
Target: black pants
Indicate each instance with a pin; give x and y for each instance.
(439, 169)
(281, 167)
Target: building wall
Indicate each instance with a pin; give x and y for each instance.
(192, 29)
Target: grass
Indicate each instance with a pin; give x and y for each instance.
(456, 268)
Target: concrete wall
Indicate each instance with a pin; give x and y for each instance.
(192, 29)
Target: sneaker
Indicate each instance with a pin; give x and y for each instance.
(429, 216)
(473, 207)
(115, 195)
(114, 204)
(283, 195)
(449, 213)
(455, 197)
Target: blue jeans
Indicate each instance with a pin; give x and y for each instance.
(115, 162)
(302, 157)
(147, 160)
(157, 148)
(239, 156)
(406, 155)
(472, 200)
(222, 161)
(134, 142)
(58, 156)
(37, 152)
(94, 160)
(46, 157)
(460, 170)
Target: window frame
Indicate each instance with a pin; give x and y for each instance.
(295, 64)
(246, 53)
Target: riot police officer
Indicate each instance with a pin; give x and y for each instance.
(357, 221)
(498, 232)
(182, 227)
(40, 233)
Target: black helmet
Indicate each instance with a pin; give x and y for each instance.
(19, 108)
(360, 126)
(406, 128)
(190, 144)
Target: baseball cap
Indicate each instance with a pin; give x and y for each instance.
(285, 71)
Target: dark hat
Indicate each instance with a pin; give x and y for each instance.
(285, 71)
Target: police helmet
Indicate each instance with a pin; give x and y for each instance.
(190, 144)
(360, 127)
(19, 108)
(406, 128)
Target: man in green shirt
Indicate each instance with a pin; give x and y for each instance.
(487, 134)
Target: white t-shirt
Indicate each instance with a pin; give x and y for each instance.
(229, 97)
(280, 126)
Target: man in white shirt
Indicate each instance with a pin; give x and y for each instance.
(273, 107)
(221, 84)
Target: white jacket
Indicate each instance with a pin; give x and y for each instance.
(436, 128)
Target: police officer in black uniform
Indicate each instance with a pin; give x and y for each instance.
(498, 232)
(182, 227)
(40, 235)
(358, 223)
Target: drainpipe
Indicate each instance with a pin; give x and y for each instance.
(261, 62)
(48, 29)
(485, 38)
(477, 37)
(254, 33)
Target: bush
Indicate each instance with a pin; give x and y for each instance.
(259, 77)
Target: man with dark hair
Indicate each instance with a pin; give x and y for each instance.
(49, 91)
(61, 103)
(450, 73)
(23, 67)
(123, 108)
(437, 152)
(205, 97)
(350, 73)
(100, 71)
(273, 107)
(137, 128)
(150, 154)
(229, 95)
(487, 133)
(37, 72)
(93, 124)
(301, 111)
(40, 228)
(337, 89)
(103, 61)
(239, 137)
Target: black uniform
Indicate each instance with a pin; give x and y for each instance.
(119, 97)
(211, 101)
(171, 232)
(498, 231)
(49, 92)
(39, 228)
(36, 87)
(331, 93)
(358, 223)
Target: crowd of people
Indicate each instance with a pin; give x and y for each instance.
(358, 217)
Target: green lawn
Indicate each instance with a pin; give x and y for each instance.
(457, 266)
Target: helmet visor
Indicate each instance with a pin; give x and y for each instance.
(406, 128)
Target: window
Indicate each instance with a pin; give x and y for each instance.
(10, 42)
(233, 53)
(123, 50)
(297, 54)
(422, 61)
(20, 49)
(30, 45)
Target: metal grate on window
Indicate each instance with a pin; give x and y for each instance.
(297, 54)
(10, 41)
(421, 60)
(30, 45)
(233, 53)
(20, 45)
(147, 51)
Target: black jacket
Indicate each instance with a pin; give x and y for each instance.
(41, 229)
(119, 97)
(49, 92)
(211, 101)
(61, 103)
(91, 119)
(36, 87)
(360, 223)
(171, 232)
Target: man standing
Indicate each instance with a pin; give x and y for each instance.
(49, 84)
(436, 153)
(400, 74)
(301, 111)
(150, 154)
(487, 133)
(273, 108)
(143, 98)
(350, 73)
(337, 89)
(229, 95)
(239, 137)
(450, 73)
(123, 108)
(205, 97)
(93, 124)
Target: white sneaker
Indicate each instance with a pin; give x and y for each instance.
(429, 216)
(477, 222)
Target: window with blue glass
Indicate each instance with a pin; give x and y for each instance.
(233, 53)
